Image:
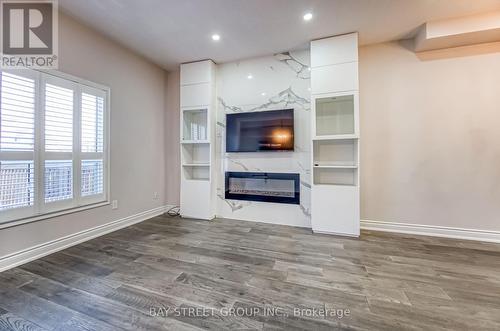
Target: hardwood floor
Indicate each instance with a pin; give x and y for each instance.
(228, 275)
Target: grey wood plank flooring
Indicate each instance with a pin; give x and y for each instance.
(182, 274)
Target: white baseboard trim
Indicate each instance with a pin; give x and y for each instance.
(38, 251)
(336, 233)
(430, 230)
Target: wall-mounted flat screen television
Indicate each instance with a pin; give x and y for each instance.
(260, 131)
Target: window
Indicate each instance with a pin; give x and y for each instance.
(17, 142)
(53, 144)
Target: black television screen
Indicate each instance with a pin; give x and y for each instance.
(260, 131)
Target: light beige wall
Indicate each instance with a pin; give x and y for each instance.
(172, 166)
(137, 134)
(430, 133)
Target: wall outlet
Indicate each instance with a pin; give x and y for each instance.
(156, 196)
(114, 204)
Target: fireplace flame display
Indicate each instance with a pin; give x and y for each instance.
(263, 186)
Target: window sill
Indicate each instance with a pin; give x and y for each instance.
(9, 224)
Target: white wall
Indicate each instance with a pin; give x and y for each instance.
(430, 138)
(284, 79)
(137, 134)
(172, 131)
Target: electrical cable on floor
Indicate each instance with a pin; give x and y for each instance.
(174, 211)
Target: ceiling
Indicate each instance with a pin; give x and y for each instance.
(170, 32)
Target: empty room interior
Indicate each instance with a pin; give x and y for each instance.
(250, 165)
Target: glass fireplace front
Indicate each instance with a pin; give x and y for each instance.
(263, 186)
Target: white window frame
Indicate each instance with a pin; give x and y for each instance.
(40, 210)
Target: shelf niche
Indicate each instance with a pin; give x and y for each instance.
(195, 124)
(194, 154)
(335, 115)
(342, 152)
(196, 172)
(336, 176)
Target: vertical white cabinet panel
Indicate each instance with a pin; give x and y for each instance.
(335, 204)
(196, 199)
(336, 209)
(330, 51)
(195, 95)
(195, 73)
(197, 101)
(335, 78)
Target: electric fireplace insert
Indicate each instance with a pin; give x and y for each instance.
(263, 186)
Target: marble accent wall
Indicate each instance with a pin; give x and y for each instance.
(267, 83)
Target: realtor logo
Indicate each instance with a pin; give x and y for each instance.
(29, 34)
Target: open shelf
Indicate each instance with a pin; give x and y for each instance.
(336, 166)
(196, 172)
(195, 125)
(195, 142)
(335, 146)
(335, 152)
(335, 115)
(336, 137)
(196, 154)
(335, 176)
(195, 147)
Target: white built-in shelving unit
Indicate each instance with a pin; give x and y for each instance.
(335, 135)
(198, 140)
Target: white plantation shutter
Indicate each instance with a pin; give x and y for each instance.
(92, 123)
(53, 144)
(92, 143)
(92, 177)
(58, 180)
(59, 135)
(16, 184)
(17, 143)
(18, 113)
(58, 119)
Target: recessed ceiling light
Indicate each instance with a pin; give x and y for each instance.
(249, 76)
(308, 16)
(263, 94)
(215, 37)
